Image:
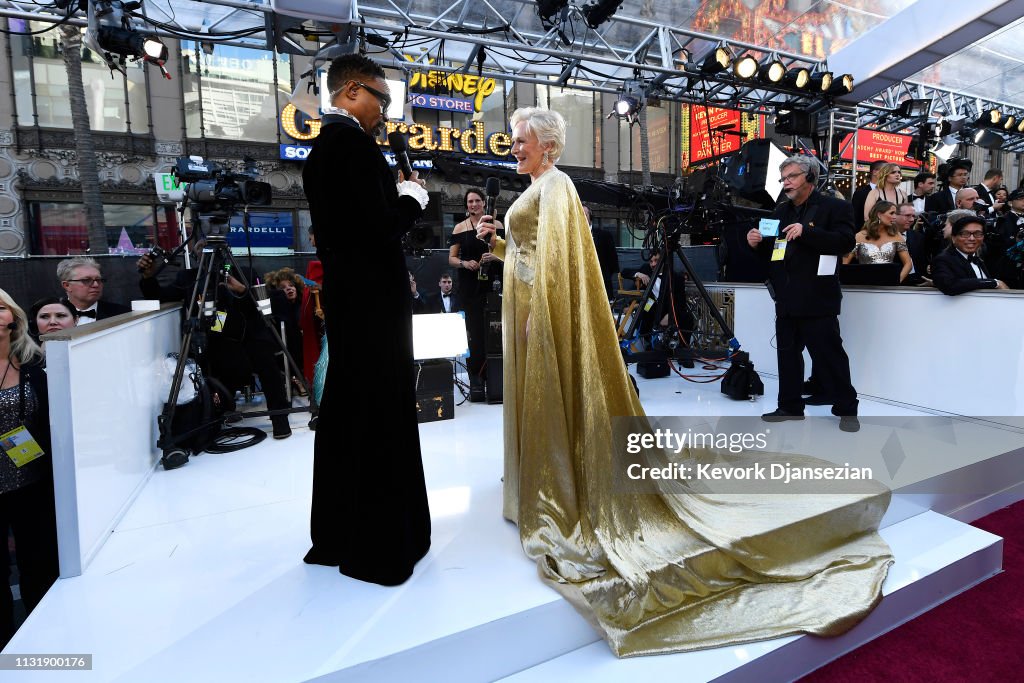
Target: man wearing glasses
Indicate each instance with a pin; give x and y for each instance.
(804, 241)
(959, 268)
(369, 516)
(83, 288)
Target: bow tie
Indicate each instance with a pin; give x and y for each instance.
(445, 296)
(971, 258)
(91, 313)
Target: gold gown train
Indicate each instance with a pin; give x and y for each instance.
(652, 573)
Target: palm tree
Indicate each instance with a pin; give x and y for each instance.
(88, 171)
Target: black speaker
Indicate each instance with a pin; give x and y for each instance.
(492, 340)
(796, 122)
(495, 379)
(435, 391)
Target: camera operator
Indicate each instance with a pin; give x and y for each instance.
(242, 345)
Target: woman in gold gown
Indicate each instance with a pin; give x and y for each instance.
(652, 573)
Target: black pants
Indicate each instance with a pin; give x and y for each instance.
(27, 513)
(820, 336)
(475, 308)
(233, 362)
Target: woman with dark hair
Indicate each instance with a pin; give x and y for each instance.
(50, 314)
(477, 272)
(26, 474)
(880, 240)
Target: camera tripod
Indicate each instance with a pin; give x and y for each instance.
(214, 264)
(648, 302)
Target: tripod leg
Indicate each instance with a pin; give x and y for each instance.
(727, 332)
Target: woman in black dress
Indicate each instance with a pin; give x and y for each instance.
(477, 268)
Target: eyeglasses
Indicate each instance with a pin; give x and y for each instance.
(790, 176)
(90, 281)
(383, 98)
(975, 234)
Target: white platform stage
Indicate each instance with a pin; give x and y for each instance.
(203, 580)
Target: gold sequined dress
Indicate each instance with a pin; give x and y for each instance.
(653, 573)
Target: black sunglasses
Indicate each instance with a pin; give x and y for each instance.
(384, 98)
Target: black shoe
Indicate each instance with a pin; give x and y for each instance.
(849, 423)
(780, 415)
(282, 430)
(818, 400)
(687, 363)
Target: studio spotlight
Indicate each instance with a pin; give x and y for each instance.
(912, 109)
(991, 117)
(821, 81)
(989, 139)
(630, 102)
(798, 78)
(716, 60)
(745, 67)
(547, 9)
(598, 12)
(1010, 123)
(1020, 127)
(842, 85)
(796, 122)
(772, 71)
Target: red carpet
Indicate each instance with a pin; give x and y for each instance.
(976, 636)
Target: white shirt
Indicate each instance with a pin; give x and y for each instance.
(446, 302)
(974, 264)
(84, 319)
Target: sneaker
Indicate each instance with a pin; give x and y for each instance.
(849, 423)
(780, 415)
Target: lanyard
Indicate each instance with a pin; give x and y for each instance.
(21, 391)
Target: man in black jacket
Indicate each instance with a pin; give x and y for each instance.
(675, 312)
(369, 516)
(954, 175)
(604, 244)
(82, 280)
(813, 232)
(445, 301)
(959, 268)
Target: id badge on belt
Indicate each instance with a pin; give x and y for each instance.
(20, 446)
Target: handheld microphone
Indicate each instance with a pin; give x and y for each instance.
(492, 189)
(401, 151)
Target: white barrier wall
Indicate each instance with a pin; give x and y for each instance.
(106, 383)
(957, 354)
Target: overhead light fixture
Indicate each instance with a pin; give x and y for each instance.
(717, 59)
(943, 150)
(630, 101)
(796, 122)
(842, 85)
(746, 67)
(798, 78)
(547, 9)
(599, 11)
(991, 117)
(989, 139)
(772, 71)
(109, 34)
(821, 81)
(1020, 126)
(912, 109)
(1010, 123)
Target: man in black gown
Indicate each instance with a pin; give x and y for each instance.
(370, 516)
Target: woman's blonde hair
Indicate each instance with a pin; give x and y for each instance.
(547, 125)
(885, 170)
(873, 224)
(23, 348)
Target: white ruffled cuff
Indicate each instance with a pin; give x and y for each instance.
(407, 188)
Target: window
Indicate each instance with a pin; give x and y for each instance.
(112, 99)
(577, 107)
(659, 143)
(233, 93)
(59, 229)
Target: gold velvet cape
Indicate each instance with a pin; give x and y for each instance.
(652, 573)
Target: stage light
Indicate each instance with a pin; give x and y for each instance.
(842, 85)
(988, 139)
(798, 78)
(547, 9)
(1020, 126)
(991, 117)
(627, 106)
(598, 12)
(110, 36)
(773, 71)
(796, 122)
(1010, 122)
(821, 81)
(716, 60)
(745, 67)
(912, 109)
(630, 101)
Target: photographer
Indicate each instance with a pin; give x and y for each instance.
(1003, 237)
(239, 344)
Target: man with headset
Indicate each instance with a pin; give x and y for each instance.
(807, 235)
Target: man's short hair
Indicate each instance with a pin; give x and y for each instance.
(66, 268)
(993, 173)
(962, 223)
(922, 178)
(445, 274)
(875, 165)
(353, 67)
(808, 165)
(900, 206)
(965, 190)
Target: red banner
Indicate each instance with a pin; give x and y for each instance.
(873, 145)
(713, 132)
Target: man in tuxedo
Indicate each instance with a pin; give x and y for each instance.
(957, 173)
(445, 301)
(924, 184)
(604, 243)
(860, 195)
(675, 312)
(906, 216)
(82, 281)
(1007, 229)
(959, 268)
(814, 231)
(987, 189)
(369, 514)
